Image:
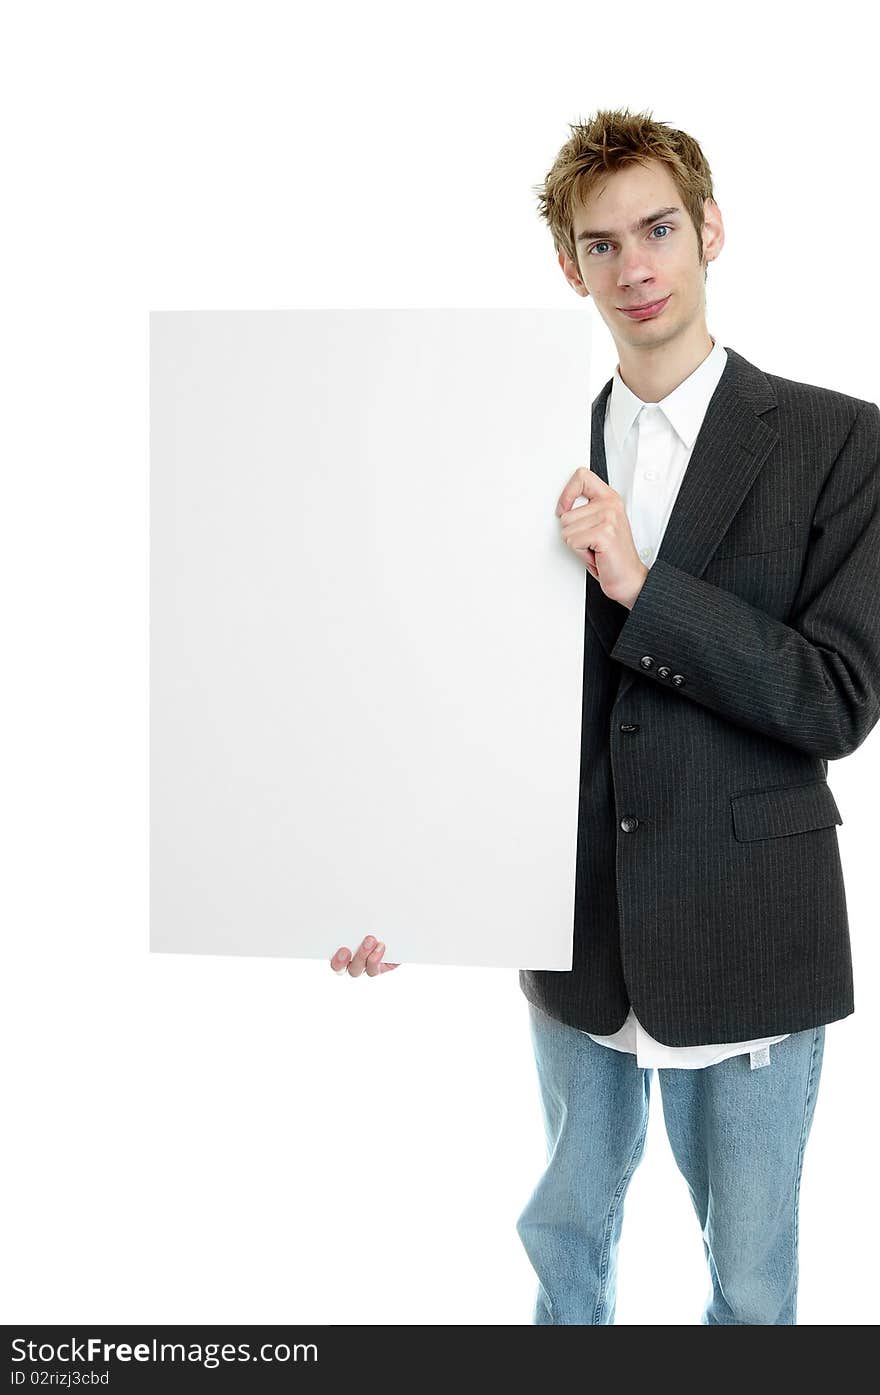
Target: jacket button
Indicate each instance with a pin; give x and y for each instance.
(678, 679)
(646, 661)
(663, 671)
(629, 823)
(629, 726)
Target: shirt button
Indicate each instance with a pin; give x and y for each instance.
(629, 823)
(645, 553)
(650, 474)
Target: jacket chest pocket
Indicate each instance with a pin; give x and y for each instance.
(783, 810)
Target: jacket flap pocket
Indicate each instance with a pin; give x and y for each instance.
(768, 537)
(773, 813)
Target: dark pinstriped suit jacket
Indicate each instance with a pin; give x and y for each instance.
(709, 889)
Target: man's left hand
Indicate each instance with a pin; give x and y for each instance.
(599, 532)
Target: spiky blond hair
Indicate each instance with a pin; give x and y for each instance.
(606, 142)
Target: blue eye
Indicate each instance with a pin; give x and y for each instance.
(668, 226)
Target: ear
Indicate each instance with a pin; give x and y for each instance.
(713, 230)
(571, 273)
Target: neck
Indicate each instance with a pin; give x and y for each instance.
(653, 372)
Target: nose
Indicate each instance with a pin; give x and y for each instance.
(635, 277)
(634, 270)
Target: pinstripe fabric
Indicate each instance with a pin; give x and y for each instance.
(709, 890)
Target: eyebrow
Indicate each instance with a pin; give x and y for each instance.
(636, 227)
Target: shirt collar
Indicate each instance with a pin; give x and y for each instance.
(684, 407)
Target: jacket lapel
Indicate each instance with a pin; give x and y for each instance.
(731, 447)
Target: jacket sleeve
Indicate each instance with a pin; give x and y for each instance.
(813, 682)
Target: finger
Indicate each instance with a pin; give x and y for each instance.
(584, 484)
(340, 960)
(582, 544)
(596, 531)
(374, 961)
(567, 497)
(359, 960)
(578, 535)
(383, 967)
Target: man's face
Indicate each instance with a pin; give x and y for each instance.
(628, 266)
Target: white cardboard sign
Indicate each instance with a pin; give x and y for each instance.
(366, 632)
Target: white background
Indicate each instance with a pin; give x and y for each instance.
(232, 1140)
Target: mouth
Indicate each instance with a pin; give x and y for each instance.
(645, 312)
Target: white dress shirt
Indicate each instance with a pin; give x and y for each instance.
(647, 449)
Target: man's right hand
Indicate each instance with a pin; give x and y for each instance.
(368, 956)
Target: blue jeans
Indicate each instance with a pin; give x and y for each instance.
(738, 1137)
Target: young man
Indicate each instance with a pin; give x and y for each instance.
(732, 647)
(731, 538)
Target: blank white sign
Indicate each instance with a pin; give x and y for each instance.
(366, 632)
